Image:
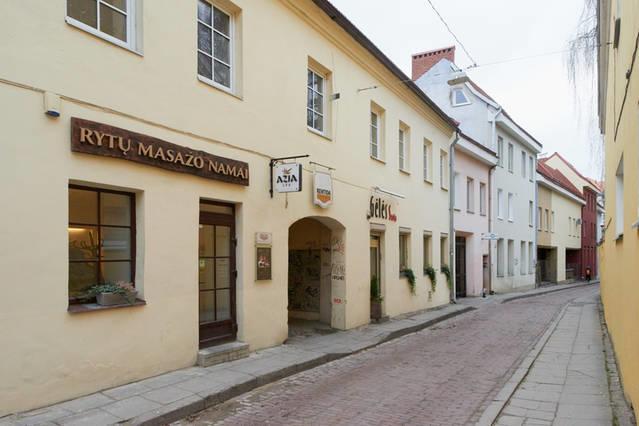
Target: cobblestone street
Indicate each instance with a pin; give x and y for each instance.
(445, 375)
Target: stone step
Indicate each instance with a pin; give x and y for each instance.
(222, 353)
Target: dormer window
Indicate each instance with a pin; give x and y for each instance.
(459, 98)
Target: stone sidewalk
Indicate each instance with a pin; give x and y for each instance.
(567, 383)
(174, 395)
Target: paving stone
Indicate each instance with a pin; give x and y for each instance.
(94, 417)
(41, 416)
(86, 403)
(585, 412)
(510, 421)
(166, 395)
(131, 407)
(126, 391)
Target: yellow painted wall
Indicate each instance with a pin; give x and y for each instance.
(619, 266)
(50, 355)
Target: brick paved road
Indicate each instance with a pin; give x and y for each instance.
(444, 375)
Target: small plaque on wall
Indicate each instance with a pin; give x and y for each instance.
(263, 260)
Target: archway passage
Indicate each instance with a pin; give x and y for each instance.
(315, 274)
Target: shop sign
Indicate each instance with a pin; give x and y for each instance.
(322, 189)
(94, 138)
(381, 208)
(263, 256)
(288, 177)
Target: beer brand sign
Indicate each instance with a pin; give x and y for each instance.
(94, 138)
(288, 177)
(322, 189)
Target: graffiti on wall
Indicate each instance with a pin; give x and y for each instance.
(304, 273)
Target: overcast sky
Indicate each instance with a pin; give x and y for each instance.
(535, 91)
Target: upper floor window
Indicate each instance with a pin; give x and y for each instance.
(443, 169)
(531, 166)
(523, 164)
(482, 198)
(500, 203)
(374, 148)
(112, 20)
(402, 149)
(511, 157)
(470, 195)
(215, 45)
(427, 155)
(511, 207)
(459, 98)
(101, 239)
(315, 101)
(500, 151)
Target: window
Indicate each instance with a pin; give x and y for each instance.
(500, 151)
(547, 222)
(531, 167)
(523, 164)
(511, 258)
(470, 195)
(531, 212)
(443, 250)
(427, 242)
(374, 151)
(427, 154)
(112, 20)
(511, 157)
(500, 204)
(511, 207)
(443, 169)
(101, 238)
(552, 222)
(315, 101)
(619, 205)
(458, 194)
(214, 45)
(404, 147)
(570, 226)
(482, 198)
(500, 257)
(404, 250)
(531, 261)
(539, 218)
(459, 98)
(522, 257)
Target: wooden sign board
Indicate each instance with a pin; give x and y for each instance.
(94, 138)
(263, 257)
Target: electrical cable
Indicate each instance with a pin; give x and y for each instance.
(452, 33)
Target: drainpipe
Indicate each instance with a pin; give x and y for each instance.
(535, 219)
(451, 210)
(490, 227)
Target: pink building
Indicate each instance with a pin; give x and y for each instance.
(473, 166)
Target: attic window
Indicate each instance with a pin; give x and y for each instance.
(459, 97)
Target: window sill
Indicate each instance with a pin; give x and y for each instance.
(404, 171)
(511, 220)
(377, 159)
(444, 188)
(428, 181)
(94, 32)
(457, 209)
(619, 238)
(92, 307)
(219, 87)
(318, 133)
(471, 212)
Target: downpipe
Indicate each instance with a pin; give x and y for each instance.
(451, 211)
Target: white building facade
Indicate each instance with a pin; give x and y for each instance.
(513, 200)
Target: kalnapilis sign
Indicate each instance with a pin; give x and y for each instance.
(101, 139)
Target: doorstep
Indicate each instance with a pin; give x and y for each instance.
(175, 395)
(218, 354)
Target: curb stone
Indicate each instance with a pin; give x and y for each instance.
(552, 290)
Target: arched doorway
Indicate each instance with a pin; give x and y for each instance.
(316, 275)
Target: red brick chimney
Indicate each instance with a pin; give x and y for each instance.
(424, 61)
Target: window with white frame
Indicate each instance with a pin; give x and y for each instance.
(511, 157)
(427, 249)
(539, 218)
(500, 256)
(522, 258)
(443, 249)
(531, 259)
(547, 221)
(531, 213)
(113, 20)
(511, 207)
(511, 258)
(552, 221)
(482, 198)
(458, 97)
(458, 193)
(426, 159)
(315, 101)
(404, 250)
(443, 169)
(470, 195)
(403, 145)
(500, 204)
(523, 164)
(214, 45)
(500, 151)
(374, 145)
(531, 167)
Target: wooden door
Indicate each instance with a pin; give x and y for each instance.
(460, 266)
(217, 274)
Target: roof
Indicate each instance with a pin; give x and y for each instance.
(422, 62)
(358, 36)
(558, 178)
(596, 184)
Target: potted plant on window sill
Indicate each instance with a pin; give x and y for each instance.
(110, 294)
(376, 300)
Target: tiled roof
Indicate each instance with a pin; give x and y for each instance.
(558, 178)
(596, 184)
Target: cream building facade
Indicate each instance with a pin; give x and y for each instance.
(618, 27)
(558, 224)
(90, 198)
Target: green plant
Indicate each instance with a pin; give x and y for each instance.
(125, 289)
(408, 273)
(429, 271)
(446, 271)
(376, 295)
